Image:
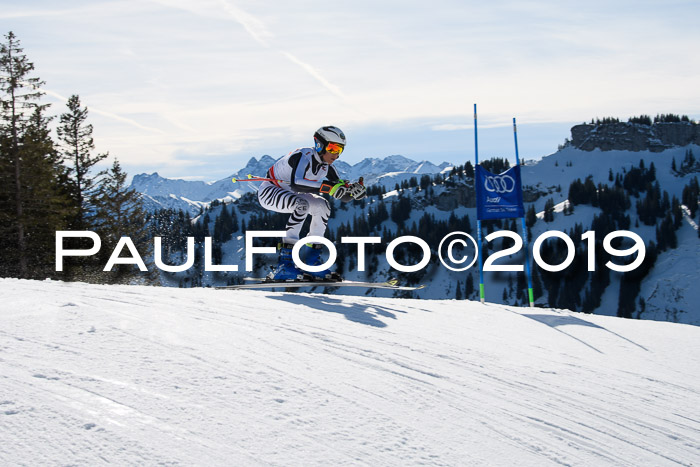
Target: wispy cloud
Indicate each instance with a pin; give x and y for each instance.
(95, 9)
(259, 32)
(314, 73)
(451, 127)
(264, 37)
(111, 115)
(469, 126)
(250, 23)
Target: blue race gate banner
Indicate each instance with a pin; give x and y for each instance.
(499, 196)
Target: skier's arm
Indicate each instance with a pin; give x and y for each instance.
(301, 166)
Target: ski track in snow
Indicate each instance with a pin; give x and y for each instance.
(144, 375)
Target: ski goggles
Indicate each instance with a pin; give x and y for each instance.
(334, 148)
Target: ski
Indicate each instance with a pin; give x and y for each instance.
(392, 284)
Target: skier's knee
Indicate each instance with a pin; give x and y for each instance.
(301, 206)
(321, 206)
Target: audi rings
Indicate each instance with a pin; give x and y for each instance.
(499, 183)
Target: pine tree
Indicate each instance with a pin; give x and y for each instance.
(677, 213)
(47, 206)
(530, 216)
(119, 213)
(234, 220)
(77, 146)
(401, 210)
(691, 195)
(549, 210)
(27, 168)
(469, 169)
(536, 284)
(469, 286)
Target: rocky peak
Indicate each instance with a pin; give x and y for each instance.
(634, 136)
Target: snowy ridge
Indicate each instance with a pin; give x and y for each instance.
(191, 196)
(146, 375)
(163, 193)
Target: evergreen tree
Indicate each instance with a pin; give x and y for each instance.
(691, 195)
(666, 234)
(47, 206)
(549, 210)
(28, 172)
(119, 213)
(688, 164)
(677, 213)
(530, 216)
(642, 119)
(77, 145)
(469, 170)
(234, 221)
(401, 210)
(496, 165)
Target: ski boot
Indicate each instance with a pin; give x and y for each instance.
(313, 258)
(286, 270)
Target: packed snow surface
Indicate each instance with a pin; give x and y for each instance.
(144, 375)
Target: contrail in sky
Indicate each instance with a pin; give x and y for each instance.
(261, 35)
(250, 23)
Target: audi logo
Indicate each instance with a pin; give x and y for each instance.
(499, 183)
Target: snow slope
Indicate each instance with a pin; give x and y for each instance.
(148, 375)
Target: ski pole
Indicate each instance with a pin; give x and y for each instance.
(252, 178)
(482, 295)
(530, 291)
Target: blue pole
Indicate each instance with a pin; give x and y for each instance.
(530, 293)
(478, 222)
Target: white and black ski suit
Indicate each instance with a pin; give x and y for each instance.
(301, 174)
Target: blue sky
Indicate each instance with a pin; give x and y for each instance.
(195, 89)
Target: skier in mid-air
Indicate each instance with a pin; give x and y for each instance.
(297, 182)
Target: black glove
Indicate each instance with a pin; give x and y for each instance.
(357, 191)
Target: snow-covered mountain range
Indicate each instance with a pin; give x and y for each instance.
(132, 375)
(191, 196)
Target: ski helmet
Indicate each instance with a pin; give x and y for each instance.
(326, 135)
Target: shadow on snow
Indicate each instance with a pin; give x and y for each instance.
(358, 313)
(556, 321)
